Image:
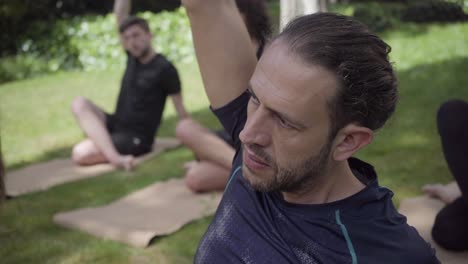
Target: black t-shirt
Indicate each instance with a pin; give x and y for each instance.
(256, 227)
(143, 95)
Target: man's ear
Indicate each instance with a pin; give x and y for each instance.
(350, 140)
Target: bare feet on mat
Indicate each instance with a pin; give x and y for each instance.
(446, 193)
(190, 164)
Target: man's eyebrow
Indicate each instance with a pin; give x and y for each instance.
(283, 116)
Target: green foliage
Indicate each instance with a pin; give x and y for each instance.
(21, 66)
(92, 43)
(17, 16)
(375, 17)
(434, 11)
(173, 36)
(382, 15)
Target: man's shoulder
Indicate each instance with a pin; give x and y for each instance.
(161, 60)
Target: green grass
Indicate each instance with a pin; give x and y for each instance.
(36, 125)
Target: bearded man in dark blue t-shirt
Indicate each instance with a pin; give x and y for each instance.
(315, 98)
(148, 79)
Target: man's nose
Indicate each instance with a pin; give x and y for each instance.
(257, 129)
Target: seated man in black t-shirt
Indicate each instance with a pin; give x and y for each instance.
(149, 78)
(314, 99)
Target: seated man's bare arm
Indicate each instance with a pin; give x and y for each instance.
(224, 51)
(179, 106)
(121, 10)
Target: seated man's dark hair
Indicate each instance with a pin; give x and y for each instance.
(367, 91)
(132, 20)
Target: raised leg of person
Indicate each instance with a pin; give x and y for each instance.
(450, 229)
(205, 145)
(206, 176)
(92, 120)
(452, 122)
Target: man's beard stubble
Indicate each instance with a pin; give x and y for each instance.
(296, 178)
(144, 53)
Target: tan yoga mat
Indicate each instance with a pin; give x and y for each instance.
(42, 176)
(421, 213)
(157, 210)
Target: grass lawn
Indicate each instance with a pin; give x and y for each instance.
(36, 125)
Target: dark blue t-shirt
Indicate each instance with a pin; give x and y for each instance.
(256, 227)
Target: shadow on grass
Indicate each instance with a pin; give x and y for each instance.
(407, 29)
(46, 156)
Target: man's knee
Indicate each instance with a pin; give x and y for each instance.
(450, 115)
(79, 105)
(193, 181)
(80, 154)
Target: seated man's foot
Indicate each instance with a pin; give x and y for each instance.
(126, 162)
(190, 164)
(446, 193)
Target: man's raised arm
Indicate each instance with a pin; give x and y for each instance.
(224, 51)
(121, 10)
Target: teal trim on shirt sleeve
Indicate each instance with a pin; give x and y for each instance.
(346, 235)
(232, 176)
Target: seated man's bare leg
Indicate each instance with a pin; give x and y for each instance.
(206, 145)
(446, 193)
(87, 153)
(92, 120)
(206, 176)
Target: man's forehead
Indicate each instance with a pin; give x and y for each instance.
(284, 83)
(134, 28)
(286, 74)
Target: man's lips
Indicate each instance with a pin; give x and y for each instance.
(253, 162)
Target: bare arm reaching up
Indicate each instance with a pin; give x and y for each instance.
(223, 47)
(121, 10)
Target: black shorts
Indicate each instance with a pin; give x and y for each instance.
(126, 143)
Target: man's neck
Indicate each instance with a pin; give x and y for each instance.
(338, 183)
(147, 57)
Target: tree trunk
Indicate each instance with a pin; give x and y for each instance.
(294, 8)
(2, 177)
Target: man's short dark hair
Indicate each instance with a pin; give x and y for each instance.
(132, 20)
(367, 91)
(256, 19)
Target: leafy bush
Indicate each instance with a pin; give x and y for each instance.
(22, 66)
(378, 17)
(434, 11)
(92, 43)
(17, 16)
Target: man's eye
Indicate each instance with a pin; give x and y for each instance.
(254, 100)
(284, 123)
